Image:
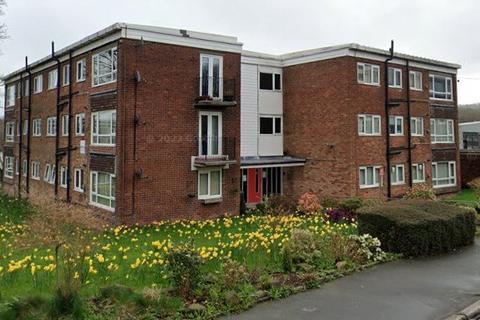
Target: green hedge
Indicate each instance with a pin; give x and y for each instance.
(418, 227)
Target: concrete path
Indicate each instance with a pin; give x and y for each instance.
(430, 288)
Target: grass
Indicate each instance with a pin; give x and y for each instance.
(467, 197)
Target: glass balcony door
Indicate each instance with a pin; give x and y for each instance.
(210, 143)
(211, 73)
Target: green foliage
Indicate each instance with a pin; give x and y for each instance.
(329, 202)
(300, 249)
(418, 227)
(277, 205)
(420, 192)
(351, 204)
(26, 308)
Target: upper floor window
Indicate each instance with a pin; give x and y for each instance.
(369, 125)
(26, 88)
(9, 167)
(103, 127)
(270, 81)
(394, 77)
(11, 95)
(416, 80)
(211, 73)
(38, 84)
(66, 75)
(443, 174)
(270, 125)
(397, 174)
(395, 125)
(25, 127)
(81, 70)
(37, 127)
(418, 172)
(105, 67)
(416, 126)
(368, 73)
(369, 176)
(10, 131)
(471, 140)
(65, 125)
(441, 130)
(210, 143)
(51, 126)
(440, 87)
(52, 79)
(80, 124)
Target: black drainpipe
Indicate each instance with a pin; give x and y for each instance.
(29, 119)
(387, 121)
(409, 132)
(20, 138)
(57, 127)
(69, 150)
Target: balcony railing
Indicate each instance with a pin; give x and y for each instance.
(215, 91)
(215, 151)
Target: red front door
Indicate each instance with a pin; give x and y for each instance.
(254, 185)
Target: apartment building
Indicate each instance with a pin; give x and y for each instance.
(149, 123)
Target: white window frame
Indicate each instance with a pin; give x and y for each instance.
(93, 193)
(11, 95)
(95, 125)
(274, 126)
(37, 127)
(416, 126)
(66, 75)
(433, 93)
(25, 127)
(373, 69)
(395, 120)
(63, 176)
(450, 136)
(452, 174)
(51, 126)
(209, 114)
(36, 170)
(363, 118)
(209, 183)
(52, 79)
(416, 82)
(96, 76)
(418, 167)
(394, 176)
(80, 124)
(210, 57)
(9, 167)
(65, 125)
(78, 180)
(10, 131)
(17, 167)
(273, 74)
(81, 70)
(49, 174)
(376, 177)
(395, 71)
(38, 84)
(26, 88)
(24, 168)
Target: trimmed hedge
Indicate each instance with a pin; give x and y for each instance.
(418, 227)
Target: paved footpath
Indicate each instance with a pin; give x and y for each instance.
(420, 289)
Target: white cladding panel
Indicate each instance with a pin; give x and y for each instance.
(270, 101)
(249, 110)
(270, 145)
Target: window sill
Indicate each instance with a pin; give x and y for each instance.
(78, 190)
(369, 187)
(419, 181)
(395, 87)
(440, 99)
(370, 84)
(102, 206)
(369, 135)
(102, 84)
(211, 200)
(445, 186)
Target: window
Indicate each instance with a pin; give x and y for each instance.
(80, 124)
(49, 175)
(17, 167)
(52, 79)
(11, 95)
(368, 74)
(105, 67)
(103, 128)
(36, 170)
(37, 127)
(270, 125)
(102, 192)
(18, 129)
(418, 172)
(369, 125)
(210, 143)
(66, 75)
(24, 168)
(443, 174)
(9, 167)
(369, 177)
(38, 84)
(416, 126)
(10, 131)
(81, 70)
(25, 127)
(440, 87)
(78, 180)
(271, 181)
(471, 140)
(51, 126)
(416, 80)
(441, 130)
(211, 73)
(395, 125)
(397, 174)
(394, 77)
(63, 177)
(65, 125)
(270, 81)
(210, 184)
(26, 88)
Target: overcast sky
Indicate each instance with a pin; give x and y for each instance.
(439, 29)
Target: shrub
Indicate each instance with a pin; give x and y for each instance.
(474, 184)
(418, 227)
(309, 203)
(365, 248)
(351, 204)
(299, 249)
(329, 202)
(278, 205)
(420, 192)
(340, 214)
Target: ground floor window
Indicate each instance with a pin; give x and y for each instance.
(418, 172)
(209, 184)
(102, 192)
(443, 174)
(271, 181)
(9, 167)
(78, 180)
(49, 175)
(63, 177)
(369, 176)
(397, 175)
(36, 170)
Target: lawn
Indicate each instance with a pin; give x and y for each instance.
(466, 197)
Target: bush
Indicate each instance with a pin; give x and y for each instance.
(418, 227)
(420, 192)
(278, 205)
(340, 214)
(329, 202)
(351, 204)
(309, 203)
(474, 184)
(300, 249)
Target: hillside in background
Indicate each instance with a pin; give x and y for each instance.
(469, 112)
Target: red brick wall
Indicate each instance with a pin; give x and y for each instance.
(470, 161)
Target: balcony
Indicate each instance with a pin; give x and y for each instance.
(215, 151)
(214, 92)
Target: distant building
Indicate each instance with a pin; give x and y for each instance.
(469, 133)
